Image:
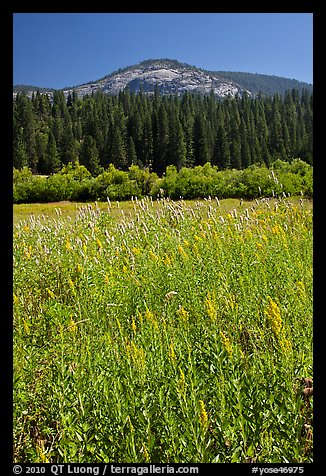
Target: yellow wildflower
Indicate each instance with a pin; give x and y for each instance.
(184, 315)
(182, 251)
(71, 283)
(172, 355)
(150, 317)
(26, 327)
(182, 382)
(41, 451)
(203, 418)
(285, 344)
(137, 355)
(195, 248)
(133, 325)
(167, 260)
(68, 245)
(273, 314)
(131, 426)
(16, 300)
(301, 289)
(145, 453)
(152, 255)
(79, 268)
(106, 278)
(72, 325)
(232, 301)
(210, 305)
(50, 293)
(135, 250)
(99, 244)
(226, 343)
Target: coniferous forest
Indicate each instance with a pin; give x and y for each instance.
(155, 131)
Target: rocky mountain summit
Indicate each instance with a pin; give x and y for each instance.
(165, 76)
(172, 77)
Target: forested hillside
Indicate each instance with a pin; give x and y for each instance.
(154, 131)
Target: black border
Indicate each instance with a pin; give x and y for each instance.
(6, 31)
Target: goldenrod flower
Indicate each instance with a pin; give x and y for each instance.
(137, 355)
(301, 289)
(50, 293)
(210, 305)
(153, 255)
(26, 327)
(203, 418)
(285, 344)
(184, 315)
(99, 244)
(79, 268)
(71, 283)
(172, 355)
(145, 453)
(149, 316)
(130, 424)
(273, 314)
(73, 325)
(182, 382)
(167, 260)
(133, 325)
(182, 251)
(226, 343)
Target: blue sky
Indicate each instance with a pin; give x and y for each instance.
(66, 49)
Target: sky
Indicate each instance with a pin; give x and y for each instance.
(58, 50)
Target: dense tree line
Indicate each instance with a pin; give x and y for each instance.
(155, 131)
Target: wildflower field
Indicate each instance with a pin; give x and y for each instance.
(163, 332)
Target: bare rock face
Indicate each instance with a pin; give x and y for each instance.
(165, 76)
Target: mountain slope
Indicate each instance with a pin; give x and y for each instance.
(172, 77)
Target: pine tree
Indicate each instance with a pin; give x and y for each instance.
(160, 160)
(118, 151)
(221, 155)
(20, 158)
(131, 152)
(200, 140)
(52, 159)
(89, 155)
(177, 145)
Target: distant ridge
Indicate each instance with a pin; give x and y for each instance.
(169, 76)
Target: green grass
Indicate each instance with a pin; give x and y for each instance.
(163, 332)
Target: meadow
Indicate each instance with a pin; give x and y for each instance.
(163, 331)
